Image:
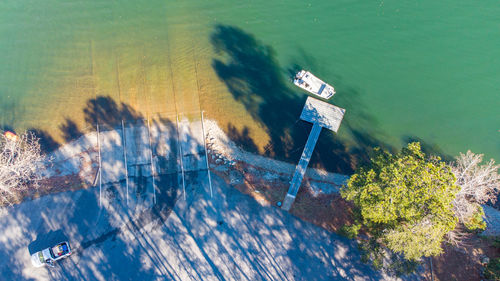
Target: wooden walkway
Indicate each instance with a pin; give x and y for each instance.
(302, 166)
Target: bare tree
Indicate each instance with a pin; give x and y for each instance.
(479, 183)
(21, 165)
(458, 236)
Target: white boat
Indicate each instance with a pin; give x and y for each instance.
(307, 81)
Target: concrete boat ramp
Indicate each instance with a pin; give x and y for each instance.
(137, 153)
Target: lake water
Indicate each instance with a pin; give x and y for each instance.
(403, 70)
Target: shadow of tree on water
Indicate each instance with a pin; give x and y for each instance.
(254, 78)
(47, 142)
(429, 148)
(5, 127)
(104, 110)
(70, 130)
(242, 137)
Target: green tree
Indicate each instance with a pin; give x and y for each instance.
(405, 201)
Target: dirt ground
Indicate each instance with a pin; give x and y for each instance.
(85, 178)
(328, 211)
(331, 212)
(464, 263)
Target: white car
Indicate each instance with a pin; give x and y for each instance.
(51, 254)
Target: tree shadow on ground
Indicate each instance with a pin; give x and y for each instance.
(252, 75)
(270, 244)
(109, 114)
(167, 194)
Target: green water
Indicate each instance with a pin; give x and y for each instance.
(427, 70)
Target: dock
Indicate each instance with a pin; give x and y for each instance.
(302, 166)
(321, 115)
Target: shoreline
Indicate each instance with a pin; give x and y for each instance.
(219, 146)
(75, 166)
(78, 160)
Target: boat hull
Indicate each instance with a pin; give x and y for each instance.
(307, 81)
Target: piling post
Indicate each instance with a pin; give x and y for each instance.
(152, 164)
(206, 154)
(181, 156)
(125, 156)
(100, 169)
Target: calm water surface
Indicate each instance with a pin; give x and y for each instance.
(403, 70)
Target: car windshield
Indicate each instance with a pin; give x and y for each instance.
(40, 257)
